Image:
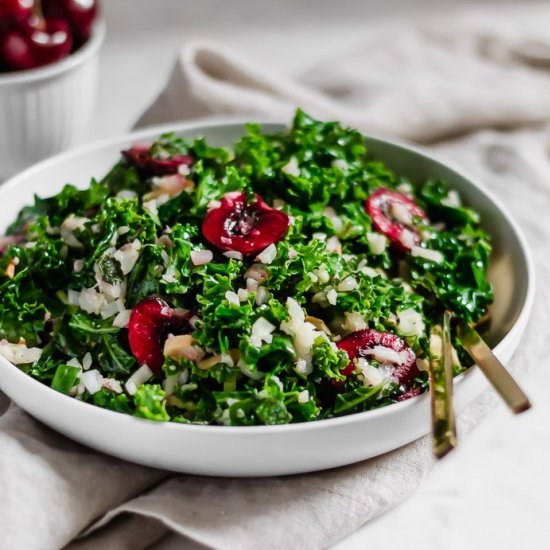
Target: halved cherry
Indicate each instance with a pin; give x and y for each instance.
(370, 343)
(243, 227)
(412, 392)
(150, 323)
(393, 214)
(147, 165)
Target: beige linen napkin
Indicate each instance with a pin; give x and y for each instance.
(425, 83)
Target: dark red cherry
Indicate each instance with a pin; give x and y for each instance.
(148, 166)
(80, 15)
(393, 214)
(243, 227)
(34, 43)
(150, 323)
(363, 343)
(412, 392)
(20, 9)
(8, 240)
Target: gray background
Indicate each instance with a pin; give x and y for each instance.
(144, 36)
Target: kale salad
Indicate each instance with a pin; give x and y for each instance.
(289, 278)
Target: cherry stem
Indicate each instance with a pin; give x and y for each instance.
(39, 14)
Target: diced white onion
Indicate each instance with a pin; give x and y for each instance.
(74, 362)
(151, 207)
(377, 243)
(91, 301)
(201, 257)
(334, 245)
(347, 285)
(232, 298)
(452, 199)
(401, 213)
(108, 309)
(19, 354)
(303, 367)
(170, 276)
(407, 238)
(291, 167)
(183, 377)
(73, 297)
(233, 254)
(405, 188)
(427, 254)
(243, 294)
(372, 376)
(268, 255)
(303, 396)
(353, 322)
(322, 274)
(262, 295)
(332, 297)
(341, 164)
(261, 332)
(93, 381)
(410, 323)
(78, 265)
(127, 256)
(251, 285)
(69, 225)
(303, 333)
(87, 361)
(112, 385)
(184, 170)
(122, 319)
(383, 354)
(138, 378)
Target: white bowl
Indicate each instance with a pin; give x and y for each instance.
(46, 110)
(268, 450)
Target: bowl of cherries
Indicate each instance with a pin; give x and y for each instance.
(48, 77)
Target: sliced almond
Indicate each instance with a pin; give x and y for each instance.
(209, 362)
(180, 346)
(319, 324)
(10, 270)
(174, 401)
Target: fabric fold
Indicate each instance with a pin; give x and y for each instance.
(424, 84)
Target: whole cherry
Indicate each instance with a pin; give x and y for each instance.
(80, 14)
(18, 9)
(26, 44)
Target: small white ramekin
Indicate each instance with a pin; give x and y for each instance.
(46, 110)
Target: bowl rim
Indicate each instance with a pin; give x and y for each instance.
(85, 52)
(211, 122)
